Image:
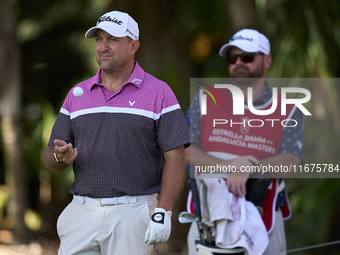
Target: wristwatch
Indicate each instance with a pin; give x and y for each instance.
(56, 158)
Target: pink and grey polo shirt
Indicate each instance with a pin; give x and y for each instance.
(120, 137)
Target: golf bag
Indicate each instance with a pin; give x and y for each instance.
(256, 193)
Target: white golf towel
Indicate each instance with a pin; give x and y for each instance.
(237, 221)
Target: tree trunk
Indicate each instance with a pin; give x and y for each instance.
(10, 109)
(242, 14)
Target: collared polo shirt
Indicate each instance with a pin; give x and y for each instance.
(120, 137)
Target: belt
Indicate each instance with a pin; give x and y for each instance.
(116, 200)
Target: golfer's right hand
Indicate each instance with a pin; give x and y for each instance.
(65, 151)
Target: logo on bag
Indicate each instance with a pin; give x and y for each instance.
(158, 217)
(246, 128)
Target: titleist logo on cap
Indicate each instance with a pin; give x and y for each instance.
(109, 19)
(240, 37)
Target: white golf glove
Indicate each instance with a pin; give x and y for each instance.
(159, 227)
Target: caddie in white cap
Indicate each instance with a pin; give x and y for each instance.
(123, 191)
(248, 56)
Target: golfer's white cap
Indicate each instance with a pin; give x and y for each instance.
(248, 40)
(118, 24)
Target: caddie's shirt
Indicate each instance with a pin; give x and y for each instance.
(120, 137)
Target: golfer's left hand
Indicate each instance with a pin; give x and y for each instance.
(159, 227)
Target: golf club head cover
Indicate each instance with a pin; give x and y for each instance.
(159, 227)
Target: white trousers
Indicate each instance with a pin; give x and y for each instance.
(277, 238)
(89, 229)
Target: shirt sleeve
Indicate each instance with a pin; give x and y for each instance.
(292, 137)
(171, 128)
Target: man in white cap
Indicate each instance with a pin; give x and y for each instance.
(248, 56)
(114, 128)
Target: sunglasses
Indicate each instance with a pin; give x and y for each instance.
(245, 57)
